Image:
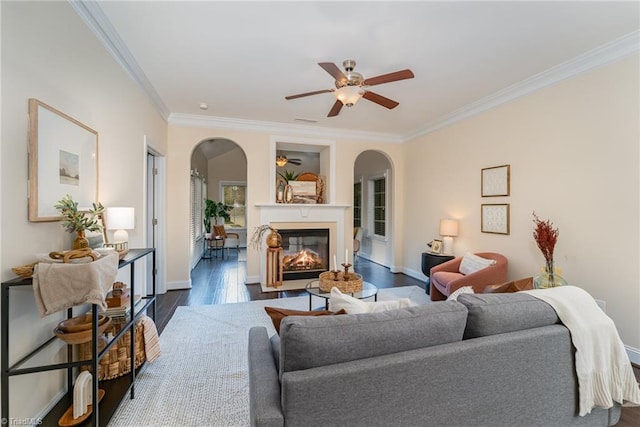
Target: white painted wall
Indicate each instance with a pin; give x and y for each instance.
(48, 53)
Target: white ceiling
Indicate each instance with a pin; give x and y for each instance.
(243, 58)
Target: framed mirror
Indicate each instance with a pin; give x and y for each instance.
(63, 159)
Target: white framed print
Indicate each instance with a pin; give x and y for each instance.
(495, 181)
(495, 218)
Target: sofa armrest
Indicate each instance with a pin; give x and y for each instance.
(452, 265)
(494, 274)
(264, 386)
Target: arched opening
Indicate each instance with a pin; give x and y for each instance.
(373, 213)
(219, 175)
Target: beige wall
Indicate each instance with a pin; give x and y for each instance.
(182, 141)
(48, 53)
(230, 166)
(574, 155)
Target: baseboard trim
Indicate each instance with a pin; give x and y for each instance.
(414, 273)
(634, 354)
(251, 280)
(174, 286)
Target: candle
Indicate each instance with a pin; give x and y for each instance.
(335, 263)
(346, 256)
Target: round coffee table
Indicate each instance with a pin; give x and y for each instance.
(313, 289)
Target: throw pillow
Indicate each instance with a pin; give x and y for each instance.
(459, 291)
(277, 314)
(472, 263)
(340, 301)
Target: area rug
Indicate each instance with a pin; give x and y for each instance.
(201, 377)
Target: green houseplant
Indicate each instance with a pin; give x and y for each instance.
(287, 191)
(215, 210)
(77, 221)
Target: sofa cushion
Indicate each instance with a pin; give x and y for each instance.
(275, 348)
(277, 314)
(471, 263)
(351, 305)
(491, 314)
(308, 342)
(445, 277)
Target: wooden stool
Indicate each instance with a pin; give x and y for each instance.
(274, 267)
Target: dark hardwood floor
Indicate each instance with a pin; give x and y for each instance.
(221, 281)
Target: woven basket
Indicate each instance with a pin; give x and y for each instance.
(353, 284)
(24, 271)
(116, 362)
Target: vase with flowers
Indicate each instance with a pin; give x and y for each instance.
(274, 239)
(546, 237)
(75, 220)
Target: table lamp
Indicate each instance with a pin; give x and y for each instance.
(120, 219)
(448, 230)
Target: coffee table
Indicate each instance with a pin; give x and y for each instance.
(313, 289)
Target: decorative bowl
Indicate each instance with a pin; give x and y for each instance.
(81, 336)
(79, 323)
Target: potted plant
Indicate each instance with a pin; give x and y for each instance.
(208, 213)
(79, 221)
(287, 193)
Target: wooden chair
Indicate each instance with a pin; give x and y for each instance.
(229, 240)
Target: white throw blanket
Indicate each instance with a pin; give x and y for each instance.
(604, 372)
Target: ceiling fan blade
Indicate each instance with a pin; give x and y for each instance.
(333, 69)
(381, 100)
(297, 162)
(335, 109)
(387, 78)
(300, 95)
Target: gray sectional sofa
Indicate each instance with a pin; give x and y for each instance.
(484, 360)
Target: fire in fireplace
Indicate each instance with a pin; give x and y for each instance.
(305, 252)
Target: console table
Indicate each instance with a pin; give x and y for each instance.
(430, 260)
(17, 368)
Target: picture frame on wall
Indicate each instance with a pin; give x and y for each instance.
(495, 181)
(495, 218)
(63, 159)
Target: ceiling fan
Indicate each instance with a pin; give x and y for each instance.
(351, 86)
(282, 160)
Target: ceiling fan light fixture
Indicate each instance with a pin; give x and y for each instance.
(281, 161)
(348, 95)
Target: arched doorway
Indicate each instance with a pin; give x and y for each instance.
(218, 173)
(372, 209)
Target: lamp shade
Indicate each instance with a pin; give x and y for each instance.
(448, 227)
(120, 218)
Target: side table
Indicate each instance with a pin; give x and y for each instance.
(430, 260)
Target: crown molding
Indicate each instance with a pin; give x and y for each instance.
(615, 50)
(618, 49)
(99, 24)
(195, 120)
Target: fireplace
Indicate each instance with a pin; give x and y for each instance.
(305, 252)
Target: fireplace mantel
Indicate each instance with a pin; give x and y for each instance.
(301, 213)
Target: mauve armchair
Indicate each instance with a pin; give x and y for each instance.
(446, 277)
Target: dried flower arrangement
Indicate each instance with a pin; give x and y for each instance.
(546, 236)
(258, 235)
